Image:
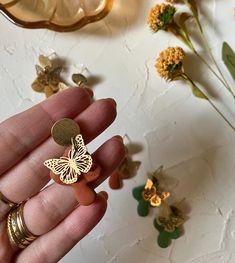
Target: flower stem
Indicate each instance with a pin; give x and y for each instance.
(198, 24)
(190, 81)
(182, 34)
(210, 68)
(213, 59)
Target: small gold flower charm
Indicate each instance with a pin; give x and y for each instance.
(48, 77)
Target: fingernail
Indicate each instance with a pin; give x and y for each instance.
(112, 101)
(118, 137)
(90, 91)
(104, 195)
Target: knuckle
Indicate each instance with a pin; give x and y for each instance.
(49, 212)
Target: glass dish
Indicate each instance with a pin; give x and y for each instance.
(57, 15)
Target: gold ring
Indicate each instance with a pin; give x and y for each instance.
(5, 206)
(18, 232)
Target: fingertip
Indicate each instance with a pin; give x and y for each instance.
(96, 118)
(99, 206)
(89, 91)
(119, 138)
(112, 150)
(104, 195)
(109, 156)
(120, 147)
(112, 101)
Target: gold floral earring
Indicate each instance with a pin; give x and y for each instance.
(169, 224)
(149, 195)
(48, 76)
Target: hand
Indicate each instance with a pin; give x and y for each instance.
(52, 213)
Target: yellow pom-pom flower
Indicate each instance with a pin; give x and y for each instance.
(161, 16)
(169, 64)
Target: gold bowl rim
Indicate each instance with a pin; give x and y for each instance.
(52, 26)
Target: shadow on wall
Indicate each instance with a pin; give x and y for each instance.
(123, 16)
(199, 74)
(204, 14)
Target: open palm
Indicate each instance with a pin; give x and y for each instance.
(52, 213)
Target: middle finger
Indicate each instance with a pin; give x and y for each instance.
(30, 176)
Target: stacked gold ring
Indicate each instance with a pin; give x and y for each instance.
(5, 206)
(18, 232)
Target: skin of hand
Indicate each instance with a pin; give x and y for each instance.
(52, 212)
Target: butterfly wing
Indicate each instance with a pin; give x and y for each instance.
(79, 154)
(70, 177)
(62, 168)
(158, 197)
(57, 166)
(77, 162)
(56, 71)
(164, 195)
(78, 147)
(39, 70)
(62, 86)
(45, 61)
(84, 163)
(54, 76)
(155, 201)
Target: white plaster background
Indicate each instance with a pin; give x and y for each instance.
(177, 130)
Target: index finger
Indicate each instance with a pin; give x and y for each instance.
(21, 133)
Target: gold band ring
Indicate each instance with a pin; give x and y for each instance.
(5, 206)
(18, 232)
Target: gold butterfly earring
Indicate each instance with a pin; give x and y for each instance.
(149, 195)
(69, 168)
(152, 194)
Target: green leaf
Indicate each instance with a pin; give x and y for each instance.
(143, 208)
(164, 239)
(197, 93)
(195, 90)
(228, 56)
(176, 234)
(157, 226)
(232, 60)
(137, 192)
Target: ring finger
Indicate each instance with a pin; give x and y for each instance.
(44, 211)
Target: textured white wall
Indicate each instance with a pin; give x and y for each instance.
(177, 130)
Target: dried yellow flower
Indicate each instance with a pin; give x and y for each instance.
(161, 16)
(169, 63)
